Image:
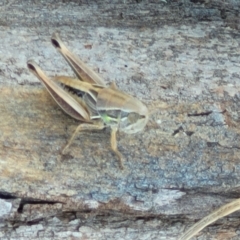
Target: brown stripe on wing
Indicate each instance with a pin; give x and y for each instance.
(77, 85)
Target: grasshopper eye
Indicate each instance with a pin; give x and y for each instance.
(133, 117)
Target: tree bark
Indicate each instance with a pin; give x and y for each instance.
(182, 59)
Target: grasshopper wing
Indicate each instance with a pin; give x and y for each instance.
(84, 92)
(64, 100)
(83, 72)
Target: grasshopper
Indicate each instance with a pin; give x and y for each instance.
(88, 99)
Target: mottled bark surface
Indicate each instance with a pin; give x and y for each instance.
(182, 59)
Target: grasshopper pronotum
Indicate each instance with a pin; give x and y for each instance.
(88, 99)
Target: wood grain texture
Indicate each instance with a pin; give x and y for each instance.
(182, 59)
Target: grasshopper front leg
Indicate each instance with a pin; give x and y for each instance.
(99, 126)
(114, 146)
(81, 127)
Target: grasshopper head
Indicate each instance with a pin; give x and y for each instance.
(135, 121)
(118, 109)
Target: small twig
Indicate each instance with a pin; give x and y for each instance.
(219, 213)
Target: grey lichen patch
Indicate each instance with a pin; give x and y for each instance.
(5, 207)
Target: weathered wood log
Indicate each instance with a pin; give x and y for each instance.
(182, 59)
